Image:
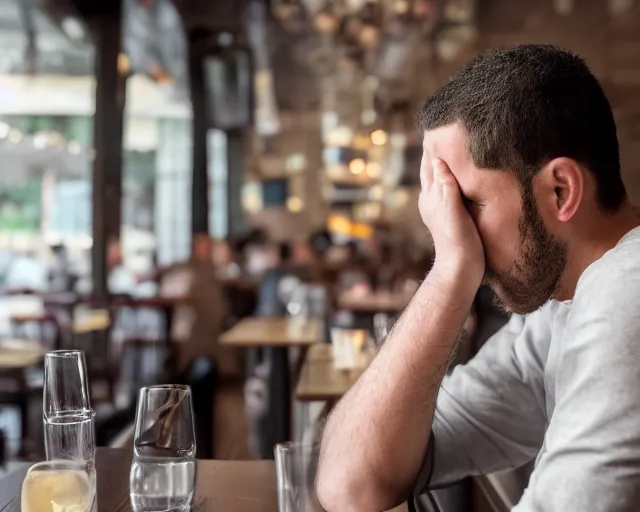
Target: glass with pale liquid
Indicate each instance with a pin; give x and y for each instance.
(69, 430)
(58, 486)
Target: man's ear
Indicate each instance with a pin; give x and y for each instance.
(561, 187)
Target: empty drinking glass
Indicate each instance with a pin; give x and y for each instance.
(382, 324)
(352, 349)
(296, 469)
(56, 486)
(163, 472)
(67, 415)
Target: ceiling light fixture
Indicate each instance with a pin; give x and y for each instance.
(4, 130)
(357, 166)
(73, 28)
(15, 136)
(379, 137)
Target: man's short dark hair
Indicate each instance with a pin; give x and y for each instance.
(525, 105)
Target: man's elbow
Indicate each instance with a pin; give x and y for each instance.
(349, 492)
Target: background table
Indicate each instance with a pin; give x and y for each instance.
(16, 358)
(273, 332)
(276, 335)
(371, 304)
(320, 381)
(220, 485)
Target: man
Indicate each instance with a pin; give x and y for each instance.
(521, 187)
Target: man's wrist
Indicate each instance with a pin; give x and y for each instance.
(460, 280)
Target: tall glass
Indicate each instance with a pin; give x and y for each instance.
(296, 470)
(57, 486)
(163, 472)
(69, 430)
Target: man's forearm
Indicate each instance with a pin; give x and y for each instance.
(376, 437)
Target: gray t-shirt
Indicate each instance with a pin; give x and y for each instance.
(562, 387)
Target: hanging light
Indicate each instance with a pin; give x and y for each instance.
(379, 137)
(229, 82)
(357, 166)
(563, 7)
(15, 136)
(401, 7)
(374, 170)
(369, 36)
(4, 130)
(74, 147)
(326, 21)
(294, 204)
(619, 7)
(40, 141)
(459, 11)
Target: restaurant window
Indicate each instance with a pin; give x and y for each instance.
(47, 89)
(218, 170)
(157, 142)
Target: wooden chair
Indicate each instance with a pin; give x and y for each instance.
(42, 327)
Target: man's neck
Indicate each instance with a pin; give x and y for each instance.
(602, 234)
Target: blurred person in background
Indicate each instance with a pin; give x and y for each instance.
(353, 276)
(521, 189)
(225, 259)
(121, 279)
(60, 277)
(201, 307)
(260, 253)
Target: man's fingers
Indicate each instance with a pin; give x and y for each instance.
(426, 173)
(440, 170)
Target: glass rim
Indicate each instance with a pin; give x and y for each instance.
(289, 446)
(64, 353)
(170, 387)
(56, 464)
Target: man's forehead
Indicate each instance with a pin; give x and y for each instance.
(449, 143)
(446, 142)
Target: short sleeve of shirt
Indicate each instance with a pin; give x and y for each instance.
(490, 413)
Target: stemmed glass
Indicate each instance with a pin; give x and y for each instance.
(163, 472)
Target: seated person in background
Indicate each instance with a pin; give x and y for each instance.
(271, 296)
(521, 188)
(60, 277)
(353, 277)
(198, 321)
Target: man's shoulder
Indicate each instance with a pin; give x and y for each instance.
(615, 275)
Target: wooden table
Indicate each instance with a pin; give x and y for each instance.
(273, 332)
(220, 485)
(276, 335)
(16, 357)
(166, 305)
(20, 354)
(374, 303)
(320, 381)
(92, 321)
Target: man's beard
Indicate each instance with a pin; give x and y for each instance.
(535, 275)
